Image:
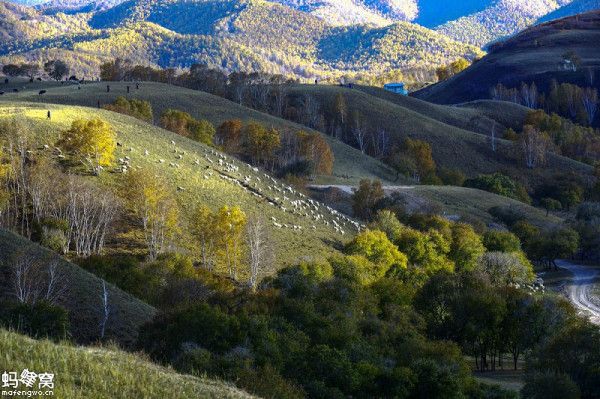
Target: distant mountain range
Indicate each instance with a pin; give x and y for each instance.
(305, 38)
(471, 21)
(229, 34)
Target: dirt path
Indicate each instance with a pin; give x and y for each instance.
(579, 291)
(350, 189)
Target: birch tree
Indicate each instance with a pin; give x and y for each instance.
(231, 222)
(259, 250)
(204, 228)
(152, 201)
(36, 278)
(105, 310)
(359, 131)
(534, 146)
(589, 98)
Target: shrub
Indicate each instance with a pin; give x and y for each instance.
(39, 320)
(139, 109)
(500, 184)
(501, 241)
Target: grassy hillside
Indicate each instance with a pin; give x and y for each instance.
(457, 203)
(476, 117)
(83, 297)
(204, 175)
(471, 204)
(349, 167)
(535, 55)
(452, 147)
(95, 373)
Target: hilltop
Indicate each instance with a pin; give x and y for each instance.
(97, 372)
(350, 165)
(535, 55)
(572, 8)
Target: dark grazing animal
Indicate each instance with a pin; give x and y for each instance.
(42, 92)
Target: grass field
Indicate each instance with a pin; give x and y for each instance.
(457, 203)
(472, 204)
(83, 296)
(204, 175)
(349, 167)
(471, 116)
(99, 373)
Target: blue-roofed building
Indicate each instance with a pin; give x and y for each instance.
(397, 88)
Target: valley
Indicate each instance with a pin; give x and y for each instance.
(221, 199)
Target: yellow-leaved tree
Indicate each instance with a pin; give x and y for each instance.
(3, 174)
(230, 225)
(203, 226)
(91, 142)
(152, 201)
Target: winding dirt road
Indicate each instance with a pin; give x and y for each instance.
(579, 291)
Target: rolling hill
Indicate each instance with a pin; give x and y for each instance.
(456, 203)
(83, 296)
(459, 136)
(301, 228)
(201, 105)
(535, 55)
(97, 373)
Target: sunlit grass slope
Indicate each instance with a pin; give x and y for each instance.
(101, 373)
(349, 167)
(199, 174)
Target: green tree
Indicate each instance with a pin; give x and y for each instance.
(202, 131)
(137, 108)
(550, 386)
(501, 241)
(414, 159)
(550, 204)
(377, 248)
(466, 247)
(56, 69)
(365, 199)
(260, 143)
(176, 121)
